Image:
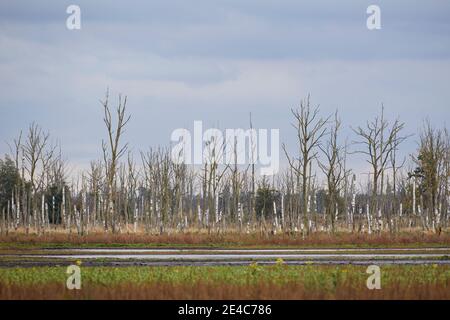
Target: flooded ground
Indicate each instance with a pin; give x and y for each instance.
(205, 256)
(144, 250)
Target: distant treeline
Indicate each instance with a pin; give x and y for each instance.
(156, 195)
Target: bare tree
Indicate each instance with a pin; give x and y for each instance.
(378, 146)
(334, 170)
(396, 204)
(310, 129)
(112, 151)
(213, 174)
(19, 190)
(37, 156)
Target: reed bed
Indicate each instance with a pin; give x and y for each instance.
(197, 238)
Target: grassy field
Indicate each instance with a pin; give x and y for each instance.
(278, 281)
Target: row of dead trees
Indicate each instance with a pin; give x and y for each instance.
(154, 194)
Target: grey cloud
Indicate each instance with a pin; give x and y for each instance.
(217, 61)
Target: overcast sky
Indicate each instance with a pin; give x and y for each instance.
(217, 61)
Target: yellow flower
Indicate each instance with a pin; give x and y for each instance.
(280, 262)
(435, 265)
(78, 262)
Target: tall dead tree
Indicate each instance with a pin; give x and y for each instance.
(18, 194)
(112, 151)
(95, 180)
(37, 157)
(310, 128)
(252, 187)
(334, 170)
(395, 166)
(213, 174)
(378, 140)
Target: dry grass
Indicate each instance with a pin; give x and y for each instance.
(230, 239)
